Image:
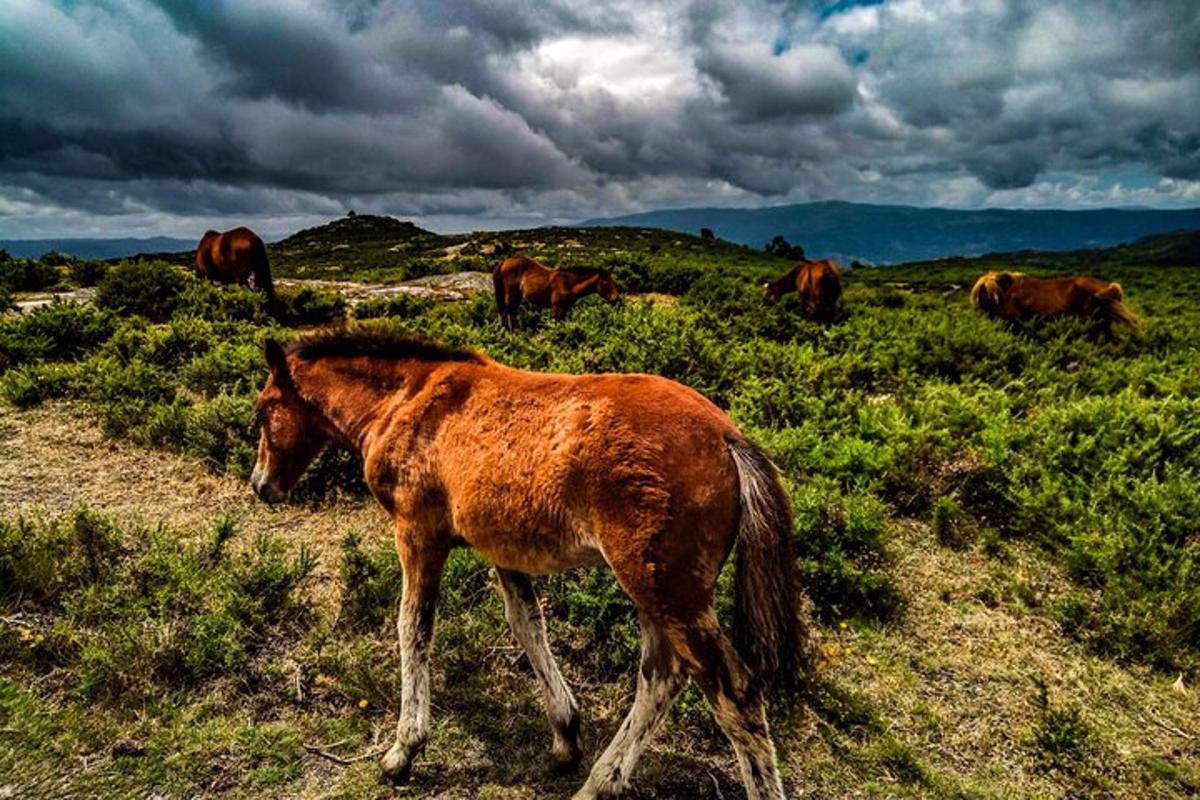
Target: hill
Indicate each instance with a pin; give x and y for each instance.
(95, 248)
(890, 234)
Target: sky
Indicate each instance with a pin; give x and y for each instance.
(149, 117)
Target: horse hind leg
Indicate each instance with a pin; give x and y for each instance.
(738, 709)
(525, 618)
(660, 678)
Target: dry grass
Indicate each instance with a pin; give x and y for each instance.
(952, 681)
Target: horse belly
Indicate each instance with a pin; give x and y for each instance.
(533, 547)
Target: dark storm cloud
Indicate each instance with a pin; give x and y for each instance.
(152, 110)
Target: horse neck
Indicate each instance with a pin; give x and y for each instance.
(580, 284)
(787, 283)
(350, 393)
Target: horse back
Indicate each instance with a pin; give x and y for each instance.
(1050, 297)
(537, 471)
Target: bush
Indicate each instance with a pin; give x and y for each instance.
(150, 612)
(307, 306)
(28, 275)
(371, 583)
(86, 272)
(150, 289)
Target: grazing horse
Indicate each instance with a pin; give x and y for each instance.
(235, 256)
(1016, 298)
(545, 472)
(817, 283)
(520, 278)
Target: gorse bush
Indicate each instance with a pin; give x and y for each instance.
(146, 611)
(149, 289)
(30, 275)
(911, 405)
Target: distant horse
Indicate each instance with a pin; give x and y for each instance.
(1016, 298)
(520, 278)
(546, 472)
(817, 283)
(235, 256)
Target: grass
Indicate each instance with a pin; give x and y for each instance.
(976, 509)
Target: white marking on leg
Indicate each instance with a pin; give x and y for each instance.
(525, 618)
(415, 626)
(659, 679)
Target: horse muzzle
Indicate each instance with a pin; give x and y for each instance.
(267, 491)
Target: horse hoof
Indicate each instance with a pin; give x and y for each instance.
(565, 763)
(394, 769)
(397, 778)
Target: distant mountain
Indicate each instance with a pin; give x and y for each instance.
(1175, 249)
(889, 234)
(96, 248)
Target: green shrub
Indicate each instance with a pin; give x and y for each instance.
(216, 302)
(32, 385)
(148, 612)
(1061, 737)
(371, 581)
(403, 306)
(151, 289)
(307, 306)
(30, 275)
(87, 272)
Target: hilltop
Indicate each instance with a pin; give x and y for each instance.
(893, 234)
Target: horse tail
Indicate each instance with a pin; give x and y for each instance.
(770, 622)
(261, 268)
(1115, 310)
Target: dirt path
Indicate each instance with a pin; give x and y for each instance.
(450, 287)
(55, 458)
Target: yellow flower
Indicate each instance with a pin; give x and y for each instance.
(843, 625)
(25, 634)
(872, 660)
(362, 703)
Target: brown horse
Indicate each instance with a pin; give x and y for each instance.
(541, 473)
(235, 256)
(817, 283)
(1016, 298)
(520, 278)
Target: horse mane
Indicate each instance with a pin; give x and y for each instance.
(376, 341)
(989, 285)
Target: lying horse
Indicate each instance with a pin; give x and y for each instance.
(1016, 298)
(520, 278)
(817, 283)
(236, 256)
(545, 472)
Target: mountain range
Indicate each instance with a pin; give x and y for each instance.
(888, 234)
(96, 248)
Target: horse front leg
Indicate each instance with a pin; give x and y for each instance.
(422, 562)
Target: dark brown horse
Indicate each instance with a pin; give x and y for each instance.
(818, 285)
(542, 473)
(520, 278)
(235, 256)
(1017, 298)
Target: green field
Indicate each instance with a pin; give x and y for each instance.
(999, 531)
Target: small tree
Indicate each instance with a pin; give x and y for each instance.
(781, 247)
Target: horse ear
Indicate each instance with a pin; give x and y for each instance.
(277, 360)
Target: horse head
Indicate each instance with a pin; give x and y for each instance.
(292, 433)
